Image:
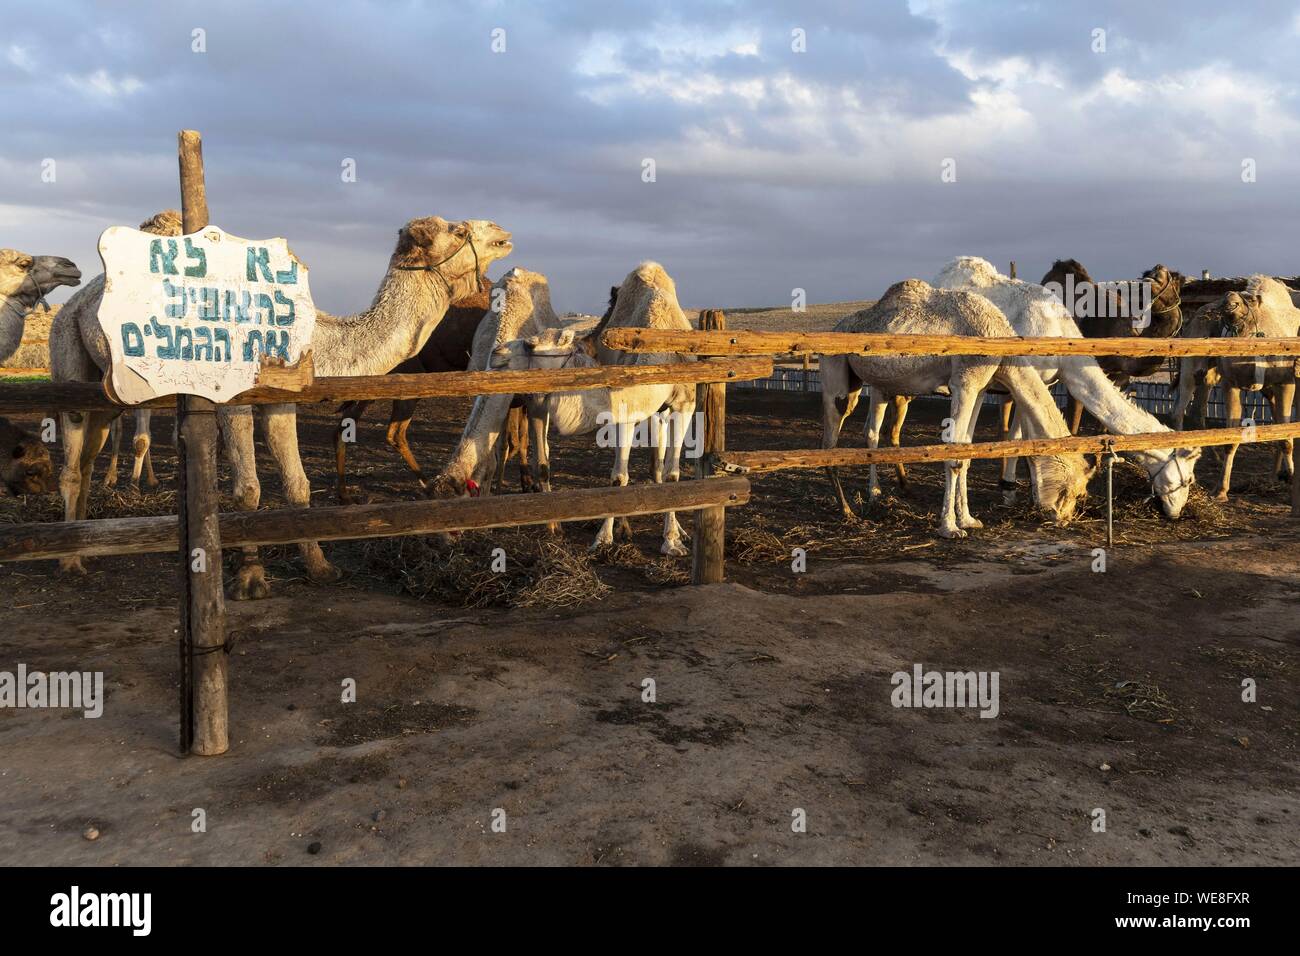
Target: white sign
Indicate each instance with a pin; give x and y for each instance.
(199, 314)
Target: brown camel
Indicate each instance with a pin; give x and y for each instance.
(25, 467)
(1102, 311)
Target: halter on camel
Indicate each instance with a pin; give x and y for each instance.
(469, 240)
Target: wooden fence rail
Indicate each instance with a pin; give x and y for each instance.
(755, 462)
(849, 343)
(89, 396)
(104, 536)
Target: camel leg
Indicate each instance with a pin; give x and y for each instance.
(539, 426)
(840, 392)
(236, 422)
(618, 478)
(115, 431)
(1232, 398)
(965, 519)
(150, 479)
(677, 422)
(83, 435)
(354, 411)
(396, 439)
(1011, 465)
(901, 402)
(141, 445)
(1076, 415)
(282, 439)
(1187, 382)
(967, 385)
(1005, 410)
(1281, 397)
(876, 409)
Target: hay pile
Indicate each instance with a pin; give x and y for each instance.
(540, 571)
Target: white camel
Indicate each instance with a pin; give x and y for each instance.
(434, 262)
(647, 298)
(519, 306)
(1035, 311)
(1264, 309)
(26, 280)
(914, 307)
(614, 413)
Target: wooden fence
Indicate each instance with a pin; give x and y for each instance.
(199, 525)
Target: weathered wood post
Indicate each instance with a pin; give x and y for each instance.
(807, 372)
(1013, 269)
(204, 711)
(709, 545)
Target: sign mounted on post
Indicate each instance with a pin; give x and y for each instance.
(206, 314)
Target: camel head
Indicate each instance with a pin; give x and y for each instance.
(550, 348)
(27, 279)
(456, 252)
(1166, 293)
(25, 467)
(1173, 482)
(1060, 482)
(521, 299)
(1236, 313)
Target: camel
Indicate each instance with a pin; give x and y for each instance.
(434, 263)
(913, 306)
(25, 467)
(1102, 310)
(1034, 311)
(647, 298)
(520, 307)
(25, 281)
(1264, 309)
(447, 350)
(589, 411)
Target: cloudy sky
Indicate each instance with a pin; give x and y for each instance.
(774, 168)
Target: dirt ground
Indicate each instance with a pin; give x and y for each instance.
(1119, 691)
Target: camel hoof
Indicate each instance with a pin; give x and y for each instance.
(325, 574)
(600, 544)
(972, 524)
(952, 532)
(625, 530)
(250, 585)
(1221, 496)
(71, 566)
(673, 550)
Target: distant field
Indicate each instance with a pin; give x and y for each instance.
(817, 318)
(35, 350)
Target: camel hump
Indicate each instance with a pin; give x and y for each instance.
(166, 223)
(969, 271)
(907, 292)
(653, 274)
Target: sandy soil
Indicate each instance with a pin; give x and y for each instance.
(772, 691)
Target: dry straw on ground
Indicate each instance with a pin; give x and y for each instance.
(539, 571)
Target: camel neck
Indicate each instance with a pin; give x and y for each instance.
(13, 318)
(406, 310)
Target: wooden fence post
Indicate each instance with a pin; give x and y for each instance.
(709, 545)
(204, 713)
(1013, 269)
